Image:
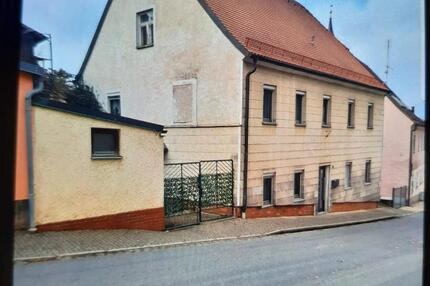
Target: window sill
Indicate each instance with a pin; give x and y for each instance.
(300, 124)
(266, 206)
(367, 183)
(298, 201)
(326, 126)
(347, 188)
(273, 123)
(351, 127)
(113, 157)
(144, 47)
(369, 128)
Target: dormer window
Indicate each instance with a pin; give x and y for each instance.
(145, 29)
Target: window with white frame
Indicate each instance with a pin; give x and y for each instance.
(326, 112)
(268, 188)
(269, 104)
(298, 184)
(114, 104)
(145, 28)
(348, 174)
(300, 108)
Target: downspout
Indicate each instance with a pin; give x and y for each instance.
(246, 123)
(413, 128)
(29, 141)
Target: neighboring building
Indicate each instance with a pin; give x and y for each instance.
(94, 170)
(29, 73)
(259, 82)
(404, 150)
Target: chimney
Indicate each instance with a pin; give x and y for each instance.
(413, 109)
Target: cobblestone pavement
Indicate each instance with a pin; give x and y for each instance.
(52, 244)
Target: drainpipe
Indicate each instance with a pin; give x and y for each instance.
(413, 128)
(246, 123)
(29, 141)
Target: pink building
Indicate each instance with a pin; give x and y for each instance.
(403, 154)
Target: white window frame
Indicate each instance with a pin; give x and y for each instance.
(370, 115)
(193, 83)
(273, 109)
(328, 123)
(302, 123)
(271, 175)
(139, 25)
(348, 177)
(353, 102)
(302, 185)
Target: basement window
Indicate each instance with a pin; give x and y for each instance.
(105, 143)
(300, 108)
(145, 29)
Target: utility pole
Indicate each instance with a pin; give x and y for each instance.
(387, 67)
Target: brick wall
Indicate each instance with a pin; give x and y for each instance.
(278, 211)
(151, 219)
(353, 206)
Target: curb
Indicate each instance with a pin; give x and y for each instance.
(185, 243)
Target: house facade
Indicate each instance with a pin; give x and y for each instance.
(299, 115)
(404, 151)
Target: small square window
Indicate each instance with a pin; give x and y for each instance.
(268, 186)
(367, 173)
(298, 184)
(145, 29)
(300, 108)
(115, 105)
(348, 174)
(326, 114)
(104, 142)
(351, 113)
(370, 116)
(269, 104)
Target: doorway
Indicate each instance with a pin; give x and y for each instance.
(323, 188)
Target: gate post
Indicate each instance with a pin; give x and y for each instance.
(200, 191)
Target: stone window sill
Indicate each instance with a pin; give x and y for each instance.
(266, 206)
(298, 201)
(300, 124)
(270, 123)
(106, 157)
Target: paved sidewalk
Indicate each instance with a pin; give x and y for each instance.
(53, 245)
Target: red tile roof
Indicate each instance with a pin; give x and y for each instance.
(284, 31)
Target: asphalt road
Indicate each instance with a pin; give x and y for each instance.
(381, 253)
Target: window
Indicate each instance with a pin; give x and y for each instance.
(348, 172)
(326, 114)
(300, 108)
(367, 172)
(370, 116)
(413, 142)
(351, 113)
(114, 105)
(268, 185)
(184, 102)
(104, 142)
(269, 104)
(145, 29)
(298, 185)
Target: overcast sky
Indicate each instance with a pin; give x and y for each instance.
(364, 26)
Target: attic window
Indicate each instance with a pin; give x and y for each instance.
(145, 29)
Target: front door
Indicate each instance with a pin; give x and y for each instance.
(322, 189)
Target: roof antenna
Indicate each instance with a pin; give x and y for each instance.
(330, 24)
(387, 67)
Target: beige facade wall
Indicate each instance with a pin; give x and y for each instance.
(284, 148)
(69, 185)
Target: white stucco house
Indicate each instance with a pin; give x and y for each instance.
(281, 96)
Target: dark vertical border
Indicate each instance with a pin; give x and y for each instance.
(426, 250)
(10, 31)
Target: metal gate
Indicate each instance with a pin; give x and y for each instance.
(400, 197)
(196, 192)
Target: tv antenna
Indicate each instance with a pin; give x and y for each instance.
(388, 67)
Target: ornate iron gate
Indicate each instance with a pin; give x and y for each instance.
(196, 192)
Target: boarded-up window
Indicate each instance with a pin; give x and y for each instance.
(183, 103)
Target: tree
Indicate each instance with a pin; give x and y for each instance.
(62, 86)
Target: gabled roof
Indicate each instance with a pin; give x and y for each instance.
(284, 31)
(404, 108)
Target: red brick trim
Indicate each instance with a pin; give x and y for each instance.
(352, 206)
(278, 211)
(150, 219)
